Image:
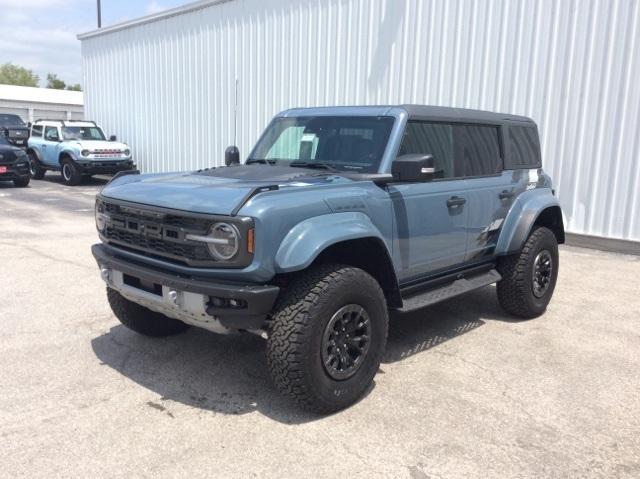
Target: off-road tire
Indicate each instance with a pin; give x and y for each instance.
(143, 320)
(35, 170)
(297, 326)
(70, 173)
(515, 290)
(22, 182)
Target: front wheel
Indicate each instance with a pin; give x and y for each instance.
(529, 278)
(22, 182)
(328, 333)
(70, 173)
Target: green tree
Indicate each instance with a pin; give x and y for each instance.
(75, 87)
(11, 74)
(54, 82)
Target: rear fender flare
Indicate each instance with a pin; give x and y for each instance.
(521, 218)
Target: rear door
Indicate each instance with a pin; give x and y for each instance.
(430, 218)
(490, 190)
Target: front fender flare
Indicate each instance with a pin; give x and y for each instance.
(305, 241)
(72, 154)
(521, 218)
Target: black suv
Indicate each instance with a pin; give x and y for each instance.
(14, 163)
(14, 130)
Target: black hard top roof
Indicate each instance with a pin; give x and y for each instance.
(462, 114)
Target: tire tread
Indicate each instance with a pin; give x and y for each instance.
(290, 323)
(514, 287)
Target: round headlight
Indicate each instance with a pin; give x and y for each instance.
(127, 152)
(101, 218)
(85, 153)
(225, 241)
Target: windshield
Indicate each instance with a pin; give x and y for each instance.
(11, 120)
(345, 143)
(82, 133)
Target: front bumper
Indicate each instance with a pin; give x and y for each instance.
(104, 167)
(194, 301)
(14, 171)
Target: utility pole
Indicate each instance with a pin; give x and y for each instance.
(99, 15)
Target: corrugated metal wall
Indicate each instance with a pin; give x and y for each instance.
(167, 86)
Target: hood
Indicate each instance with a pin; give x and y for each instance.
(15, 127)
(213, 191)
(98, 145)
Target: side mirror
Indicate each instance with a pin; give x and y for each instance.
(113, 138)
(232, 156)
(413, 168)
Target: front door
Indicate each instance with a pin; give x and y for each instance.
(50, 145)
(430, 218)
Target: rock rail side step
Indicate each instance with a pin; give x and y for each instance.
(459, 286)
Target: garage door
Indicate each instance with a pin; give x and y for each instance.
(21, 112)
(49, 115)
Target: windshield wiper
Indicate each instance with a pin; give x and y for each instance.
(312, 164)
(252, 161)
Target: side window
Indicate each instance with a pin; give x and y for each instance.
(51, 133)
(479, 150)
(524, 147)
(458, 150)
(36, 131)
(431, 138)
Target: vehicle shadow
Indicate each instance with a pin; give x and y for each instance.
(229, 375)
(56, 178)
(418, 331)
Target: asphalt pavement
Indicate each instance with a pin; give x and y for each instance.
(464, 390)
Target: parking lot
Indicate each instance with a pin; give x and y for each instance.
(463, 391)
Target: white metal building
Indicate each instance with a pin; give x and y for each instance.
(166, 83)
(32, 103)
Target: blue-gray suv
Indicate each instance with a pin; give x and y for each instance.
(337, 216)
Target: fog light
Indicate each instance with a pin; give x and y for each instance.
(104, 274)
(218, 302)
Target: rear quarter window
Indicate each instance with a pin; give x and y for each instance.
(524, 147)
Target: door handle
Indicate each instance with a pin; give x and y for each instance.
(455, 201)
(505, 195)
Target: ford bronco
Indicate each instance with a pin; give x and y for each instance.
(78, 149)
(338, 216)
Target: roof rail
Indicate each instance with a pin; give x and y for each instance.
(64, 121)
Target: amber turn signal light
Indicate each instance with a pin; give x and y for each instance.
(250, 240)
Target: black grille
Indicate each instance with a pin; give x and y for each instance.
(157, 233)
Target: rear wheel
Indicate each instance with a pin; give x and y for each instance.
(529, 278)
(22, 182)
(142, 320)
(35, 169)
(328, 335)
(70, 173)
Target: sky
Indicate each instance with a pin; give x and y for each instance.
(41, 34)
